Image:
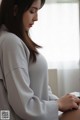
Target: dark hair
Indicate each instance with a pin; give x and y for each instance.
(15, 24)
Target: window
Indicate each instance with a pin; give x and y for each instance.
(57, 31)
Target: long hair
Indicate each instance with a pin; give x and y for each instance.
(15, 23)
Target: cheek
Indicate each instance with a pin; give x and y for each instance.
(26, 23)
(26, 17)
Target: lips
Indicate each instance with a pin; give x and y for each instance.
(31, 24)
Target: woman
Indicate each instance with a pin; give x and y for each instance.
(23, 70)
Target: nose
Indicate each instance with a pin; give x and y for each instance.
(35, 17)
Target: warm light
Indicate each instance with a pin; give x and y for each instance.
(58, 32)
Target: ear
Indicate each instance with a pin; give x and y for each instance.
(15, 10)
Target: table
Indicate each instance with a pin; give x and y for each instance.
(70, 115)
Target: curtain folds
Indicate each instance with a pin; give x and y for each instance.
(68, 78)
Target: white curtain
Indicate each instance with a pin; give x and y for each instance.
(57, 30)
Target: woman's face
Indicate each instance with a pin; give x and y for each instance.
(31, 15)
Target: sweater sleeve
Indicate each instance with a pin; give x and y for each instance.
(21, 97)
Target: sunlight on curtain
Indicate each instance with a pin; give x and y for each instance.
(57, 31)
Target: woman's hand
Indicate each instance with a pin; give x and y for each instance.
(68, 102)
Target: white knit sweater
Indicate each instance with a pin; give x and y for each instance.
(28, 95)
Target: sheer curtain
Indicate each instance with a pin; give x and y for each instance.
(57, 31)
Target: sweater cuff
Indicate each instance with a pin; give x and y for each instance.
(52, 110)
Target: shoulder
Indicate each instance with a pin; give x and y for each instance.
(10, 39)
(10, 42)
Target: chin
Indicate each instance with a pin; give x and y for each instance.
(27, 29)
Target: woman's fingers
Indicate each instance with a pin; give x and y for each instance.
(68, 102)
